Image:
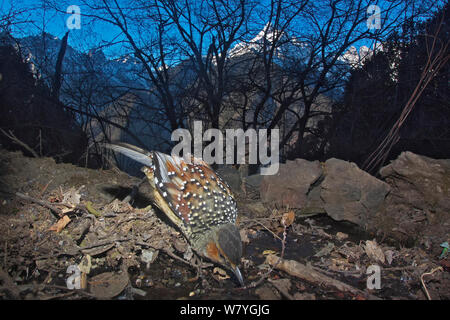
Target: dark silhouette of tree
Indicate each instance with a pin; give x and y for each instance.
(399, 100)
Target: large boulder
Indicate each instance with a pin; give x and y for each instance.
(338, 187)
(413, 201)
(420, 181)
(419, 204)
(350, 193)
(291, 185)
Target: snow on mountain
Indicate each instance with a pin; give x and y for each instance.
(356, 59)
(94, 76)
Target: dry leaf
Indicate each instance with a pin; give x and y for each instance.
(66, 210)
(83, 281)
(86, 264)
(72, 196)
(267, 252)
(220, 274)
(288, 218)
(341, 236)
(283, 285)
(58, 226)
(373, 251)
(107, 285)
(389, 254)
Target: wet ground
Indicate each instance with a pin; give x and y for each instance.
(54, 217)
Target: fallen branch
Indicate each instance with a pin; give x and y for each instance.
(20, 143)
(311, 275)
(87, 208)
(46, 204)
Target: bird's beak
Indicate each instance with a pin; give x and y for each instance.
(238, 274)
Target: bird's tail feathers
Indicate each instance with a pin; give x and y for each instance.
(133, 152)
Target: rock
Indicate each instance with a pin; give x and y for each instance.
(419, 204)
(291, 185)
(419, 181)
(350, 193)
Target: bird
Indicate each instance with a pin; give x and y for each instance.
(196, 199)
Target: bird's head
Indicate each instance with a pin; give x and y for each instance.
(224, 246)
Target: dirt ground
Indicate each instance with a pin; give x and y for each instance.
(69, 233)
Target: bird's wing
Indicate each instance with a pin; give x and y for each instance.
(195, 193)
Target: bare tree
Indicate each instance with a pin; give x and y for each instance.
(208, 29)
(189, 64)
(437, 57)
(311, 41)
(13, 16)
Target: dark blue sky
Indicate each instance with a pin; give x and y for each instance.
(93, 33)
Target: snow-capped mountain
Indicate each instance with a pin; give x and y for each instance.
(356, 58)
(93, 71)
(285, 45)
(91, 80)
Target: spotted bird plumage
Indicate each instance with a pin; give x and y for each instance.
(196, 199)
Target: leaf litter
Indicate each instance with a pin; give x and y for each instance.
(129, 250)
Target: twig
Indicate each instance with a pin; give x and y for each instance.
(5, 257)
(400, 268)
(82, 292)
(173, 255)
(260, 223)
(41, 202)
(433, 65)
(264, 276)
(87, 208)
(58, 296)
(45, 188)
(17, 141)
(104, 243)
(311, 275)
(427, 274)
